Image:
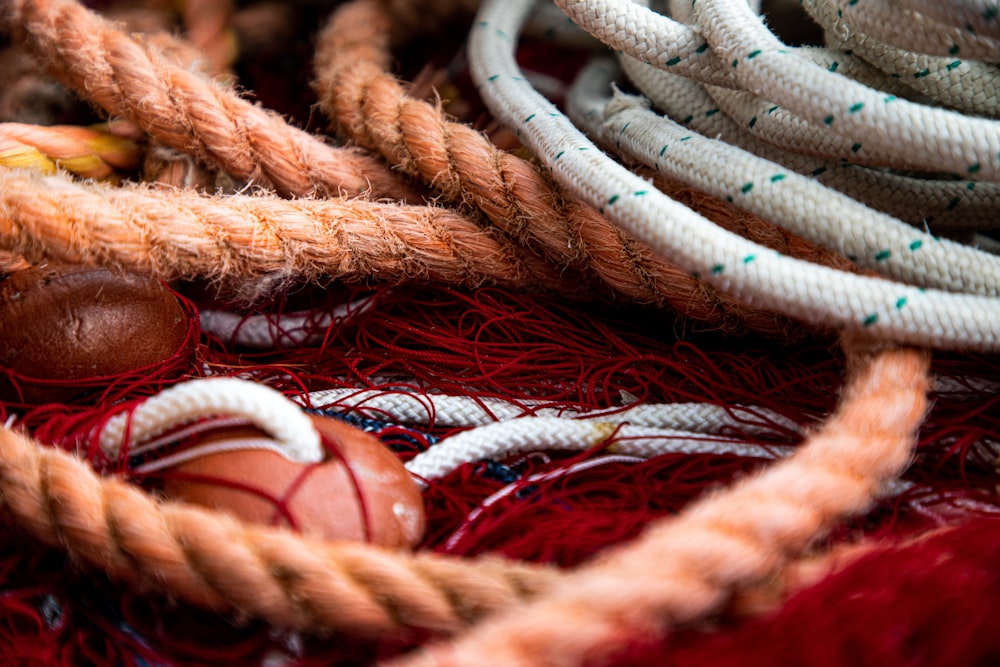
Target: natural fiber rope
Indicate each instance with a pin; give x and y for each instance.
(684, 568)
(252, 243)
(301, 583)
(372, 108)
(815, 294)
(217, 563)
(86, 152)
(185, 111)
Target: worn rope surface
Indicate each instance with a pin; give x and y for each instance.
(241, 238)
(184, 110)
(220, 564)
(86, 152)
(373, 110)
(690, 565)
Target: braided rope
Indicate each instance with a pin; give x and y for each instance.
(979, 16)
(875, 241)
(86, 152)
(371, 107)
(939, 204)
(464, 411)
(264, 407)
(966, 85)
(185, 111)
(815, 294)
(902, 27)
(497, 441)
(738, 49)
(262, 240)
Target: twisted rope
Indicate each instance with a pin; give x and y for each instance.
(239, 238)
(684, 568)
(183, 110)
(217, 563)
(372, 109)
(86, 152)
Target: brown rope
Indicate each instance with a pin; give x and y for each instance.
(217, 563)
(187, 112)
(371, 108)
(686, 567)
(252, 242)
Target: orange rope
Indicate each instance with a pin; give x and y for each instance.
(371, 108)
(87, 152)
(255, 243)
(185, 111)
(686, 567)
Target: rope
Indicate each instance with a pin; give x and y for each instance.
(465, 411)
(938, 204)
(213, 561)
(818, 295)
(183, 110)
(826, 217)
(503, 439)
(253, 243)
(264, 407)
(691, 564)
(372, 109)
(86, 152)
(737, 50)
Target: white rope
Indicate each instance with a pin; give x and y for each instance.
(755, 275)
(281, 330)
(979, 16)
(181, 404)
(743, 50)
(932, 204)
(960, 83)
(796, 202)
(902, 27)
(466, 411)
(496, 441)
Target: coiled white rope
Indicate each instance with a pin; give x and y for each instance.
(933, 204)
(759, 277)
(744, 51)
(796, 202)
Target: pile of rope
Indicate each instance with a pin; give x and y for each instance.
(697, 165)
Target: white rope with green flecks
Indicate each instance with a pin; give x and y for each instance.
(908, 29)
(732, 47)
(796, 202)
(958, 82)
(935, 205)
(757, 276)
(979, 16)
